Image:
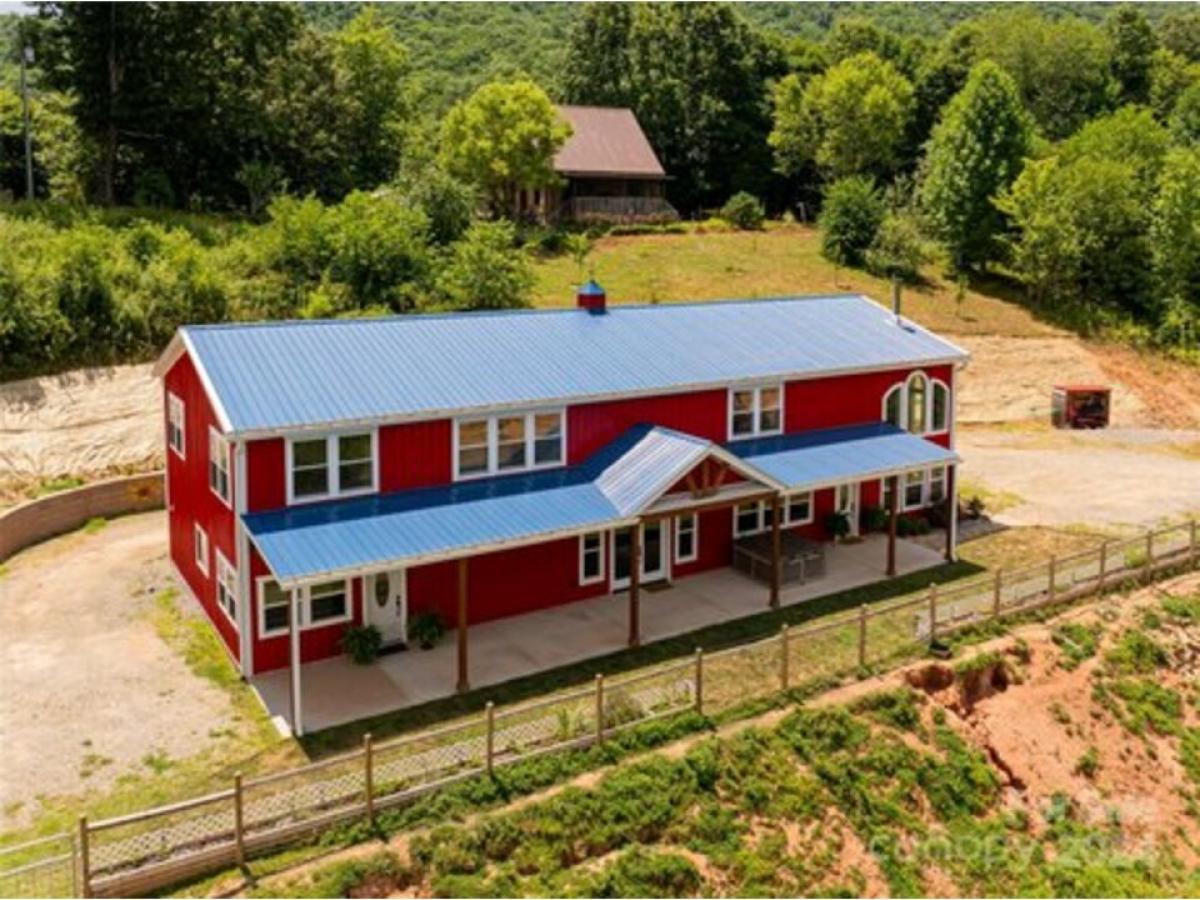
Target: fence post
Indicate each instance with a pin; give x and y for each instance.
(490, 745)
(239, 833)
(85, 864)
(369, 777)
(1192, 540)
(932, 613)
(784, 674)
(862, 636)
(599, 707)
(1149, 556)
(996, 595)
(1053, 572)
(1103, 562)
(700, 681)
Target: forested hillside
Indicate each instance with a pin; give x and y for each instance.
(197, 162)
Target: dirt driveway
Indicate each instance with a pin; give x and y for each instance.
(90, 691)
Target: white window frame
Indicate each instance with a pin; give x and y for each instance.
(694, 518)
(260, 593)
(929, 480)
(200, 539)
(332, 466)
(756, 407)
(788, 520)
(176, 423)
(493, 442)
(764, 507)
(584, 550)
(227, 580)
(905, 506)
(306, 605)
(927, 403)
(219, 451)
(932, 386)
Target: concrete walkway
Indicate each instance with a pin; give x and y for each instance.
(336, 691)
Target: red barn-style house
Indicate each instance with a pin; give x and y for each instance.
(328, 474)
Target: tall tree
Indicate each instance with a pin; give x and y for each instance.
(850, 120)
(696, 79)
(1133, 45)
(1180, 33)
(1175, 227)
(976, 151)
(503, 139)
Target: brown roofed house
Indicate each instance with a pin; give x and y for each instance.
(609, 170)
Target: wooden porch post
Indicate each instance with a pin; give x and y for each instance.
(294, 661)
(951, 514)
(464, 682)
(776, 553)
(635, 578)
(893, 516)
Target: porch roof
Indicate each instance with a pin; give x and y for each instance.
(821, 458)
(619, 482)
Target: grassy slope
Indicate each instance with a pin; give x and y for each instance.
(783, 260)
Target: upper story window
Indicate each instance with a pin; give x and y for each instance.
(175, 425)
(218, 465)
(511, 442)
(331, 465)
(200, 549)
(755, 411)
(227, 587)
(920, 404)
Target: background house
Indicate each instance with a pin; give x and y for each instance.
(610, 172)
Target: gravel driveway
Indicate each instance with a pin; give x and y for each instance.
(88, 686)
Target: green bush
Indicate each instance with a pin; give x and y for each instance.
(851, 214)
(744, 211)
(898, 249)
(647, 873)
(361, 643)
(1076, 642)
(486, 270)
(1136, 653)
(426, 629)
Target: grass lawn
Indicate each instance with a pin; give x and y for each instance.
(782, 260)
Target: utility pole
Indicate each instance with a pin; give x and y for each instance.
(27, 60)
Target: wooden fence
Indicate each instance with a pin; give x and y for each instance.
(138, 853)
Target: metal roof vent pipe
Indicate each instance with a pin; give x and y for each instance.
(896, 299)
(591, 297)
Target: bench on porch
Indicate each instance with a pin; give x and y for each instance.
(800, 559)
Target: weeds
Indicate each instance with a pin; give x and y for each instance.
(1077, 642)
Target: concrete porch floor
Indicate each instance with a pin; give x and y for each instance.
(335, 691)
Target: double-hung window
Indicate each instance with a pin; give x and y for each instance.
(274, 608)
(320, 604)
(200, 549)
(175, 425)
(591, 558)
(799, 509)
(940, 410)
(328, 602)
(914, 489)
(227, 596)
(937, 485)
(218, 465)
(331, 465)
(511, 442)
(687, 545)
(757, 517)
(755, 411)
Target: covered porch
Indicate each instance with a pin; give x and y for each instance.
(336, 691)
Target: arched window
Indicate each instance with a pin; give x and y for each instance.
(893, 406)
(940, 418)
(917, 389)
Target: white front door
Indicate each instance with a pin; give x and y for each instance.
(847, 502)
(387, 605)
(655, 542)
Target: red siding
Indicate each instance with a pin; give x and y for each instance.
(191, 502)
(414, 455)
(266, 487)
(592, 425)
(315, 643)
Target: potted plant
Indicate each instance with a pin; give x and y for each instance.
(875, 518)
(426, 630)
(837, 523)
(361, 643)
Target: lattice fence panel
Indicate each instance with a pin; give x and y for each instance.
(823, 653)
(305, 794)
(162, 835)
(411, 762)
(660, 693)
(48, 867)
(742, 673)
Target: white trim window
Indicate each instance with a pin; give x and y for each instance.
(509, 442)
(687, 538)
(914, 490)
(919, 404)
(755, 517)
(326, 603)
(200, 548)
(176, 425)
(274, 607)
(332, 465)
(591, 558)
(218, 465)
(755, 411)
(227, 591)
(936, 491)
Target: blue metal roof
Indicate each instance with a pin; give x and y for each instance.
(819, 458)
(280, 375)
(615, 484)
